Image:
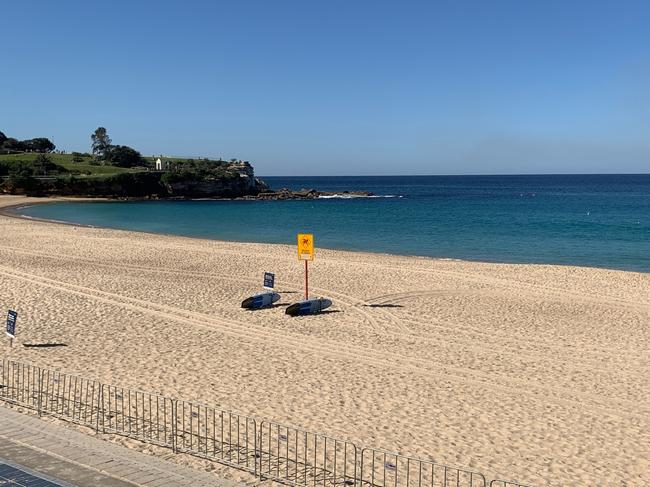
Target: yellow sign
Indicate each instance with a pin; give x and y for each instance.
(305, 246)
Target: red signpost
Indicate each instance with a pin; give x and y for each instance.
(306, 253)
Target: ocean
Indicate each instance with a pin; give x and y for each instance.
(585, 220)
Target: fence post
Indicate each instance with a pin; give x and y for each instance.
(40, 392)
(359, 474)
(256, 453)
(5, 380)
(174, 425)
(260, 447)
(100, 407)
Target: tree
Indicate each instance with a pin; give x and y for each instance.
(3, 137)
(21, 169)
(42, 164)
(123, 156)
(39, 144)
(101, 142)
(13, 144)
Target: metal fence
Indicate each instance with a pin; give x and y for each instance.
(380, 468)
(268, 450)
(224, 436)
(298, 457)
(68, 397)
(134, 414)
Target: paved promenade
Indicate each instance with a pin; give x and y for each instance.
(85, 461)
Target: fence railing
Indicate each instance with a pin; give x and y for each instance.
(266, 449)
(134, 414)
(380, 468)
(223, 436)
(298, 457)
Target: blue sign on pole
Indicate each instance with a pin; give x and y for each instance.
(12, 316)
(269, 280)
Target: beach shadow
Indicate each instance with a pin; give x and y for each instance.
(44, 345)
(268, 307)
(325, 312)
(383, 305)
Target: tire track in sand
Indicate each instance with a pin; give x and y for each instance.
(540, 346)
(345, 299)
(517, 286)
(392, 322)
(340, 350)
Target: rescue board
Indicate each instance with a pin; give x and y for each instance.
(261, 300)
(308, 307)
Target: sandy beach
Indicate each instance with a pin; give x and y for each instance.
(529, 372)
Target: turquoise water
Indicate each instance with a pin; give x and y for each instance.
(589, 220)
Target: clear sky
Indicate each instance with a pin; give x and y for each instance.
(338, 86)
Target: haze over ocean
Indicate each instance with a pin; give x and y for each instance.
(587, 220)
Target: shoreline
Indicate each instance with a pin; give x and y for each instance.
(10, 210)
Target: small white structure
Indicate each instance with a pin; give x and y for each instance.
(162, 165)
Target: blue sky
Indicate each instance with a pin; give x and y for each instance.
(338, 87)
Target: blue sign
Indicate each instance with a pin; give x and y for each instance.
(12, 316)
(269, 280)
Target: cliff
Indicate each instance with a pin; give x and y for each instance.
(223, 187)
(195, 179)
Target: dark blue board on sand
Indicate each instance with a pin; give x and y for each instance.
(308, 307)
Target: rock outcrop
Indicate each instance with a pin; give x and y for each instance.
(306, 194)
(227, 187)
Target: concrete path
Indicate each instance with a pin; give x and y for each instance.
(85, 461)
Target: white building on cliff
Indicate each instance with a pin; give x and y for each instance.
(163, 165)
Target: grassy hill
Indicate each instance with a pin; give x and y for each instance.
(80, 175)
(85, 168)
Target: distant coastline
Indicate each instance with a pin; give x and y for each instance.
(82, 176)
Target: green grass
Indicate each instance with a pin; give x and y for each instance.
(66, 161)
(96, 171)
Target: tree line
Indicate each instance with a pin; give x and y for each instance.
(104, 152)
(38, 144)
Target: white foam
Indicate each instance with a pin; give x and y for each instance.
(345, 196)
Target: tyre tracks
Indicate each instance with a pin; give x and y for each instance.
(392, 324)
(351, 301)
(512, 387)
(538, 347)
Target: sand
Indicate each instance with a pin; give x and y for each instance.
(530, 372)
